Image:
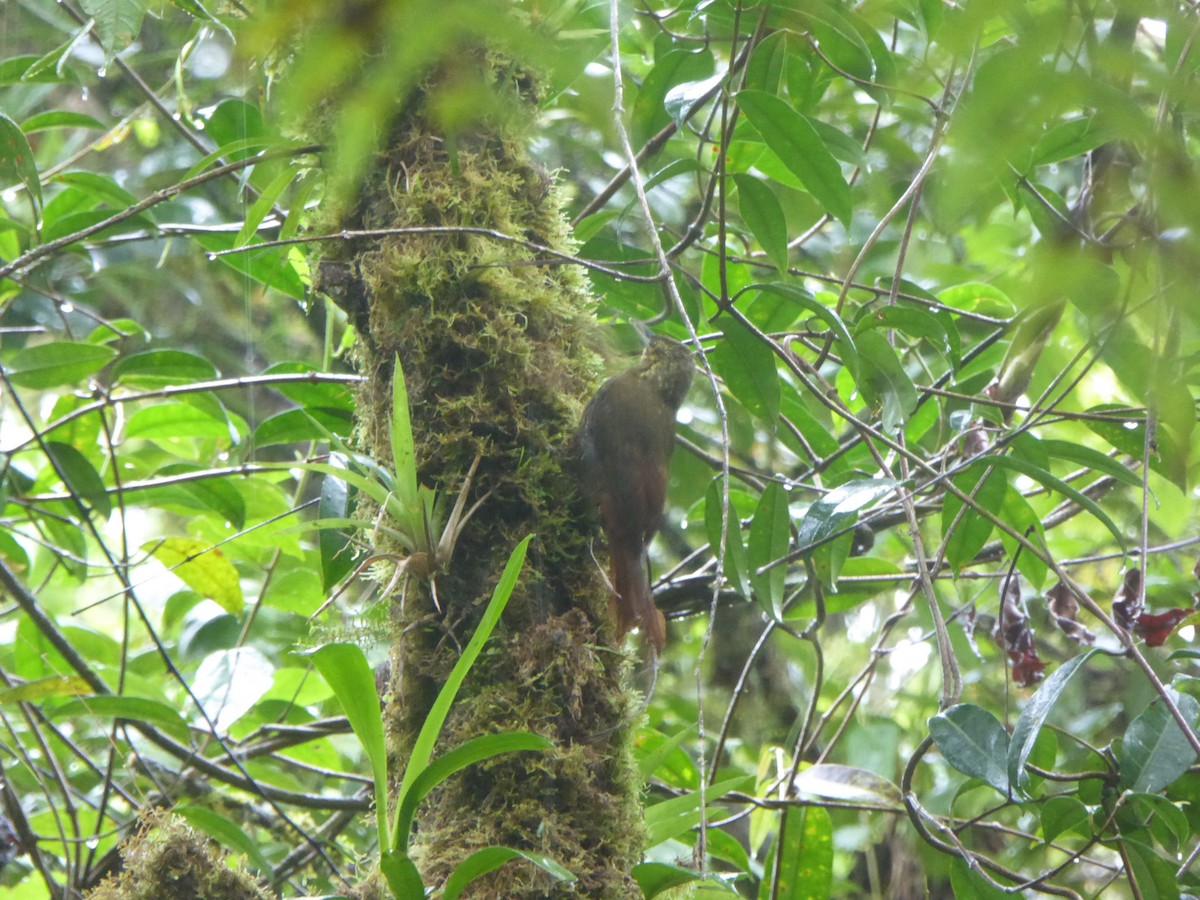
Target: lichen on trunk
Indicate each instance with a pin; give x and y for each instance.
(497, 344)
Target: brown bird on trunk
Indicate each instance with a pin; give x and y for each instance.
(625, 442)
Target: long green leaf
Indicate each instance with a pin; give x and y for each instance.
(404, 456)
(491, 858)
(455, 760)
(1040, 475)
(423, 746)
(345, 669)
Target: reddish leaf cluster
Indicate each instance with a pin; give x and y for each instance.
(1129, 610)
(1014, 634)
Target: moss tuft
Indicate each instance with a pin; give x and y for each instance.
(165, 859)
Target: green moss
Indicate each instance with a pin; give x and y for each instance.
(167, 860)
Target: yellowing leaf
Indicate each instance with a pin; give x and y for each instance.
(201, 567)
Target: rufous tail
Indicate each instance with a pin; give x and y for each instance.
(633, 603)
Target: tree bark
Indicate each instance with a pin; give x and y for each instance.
(497, 350)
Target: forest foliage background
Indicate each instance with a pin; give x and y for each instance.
(930, 554)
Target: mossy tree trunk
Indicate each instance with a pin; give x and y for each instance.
(497, 349)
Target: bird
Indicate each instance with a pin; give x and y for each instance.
(625, 440)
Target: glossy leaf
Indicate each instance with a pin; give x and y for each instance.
(974, 742)
(1035, 713)
(1155, 750)
(856, 785)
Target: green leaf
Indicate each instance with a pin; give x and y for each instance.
(736, 566)
(300, 425)
(805, 299)
(275, 267)
(118, 22)
(345, 669)
(133, 709)
(404, 458)
(654, 878)
(838, 509)
(764, 217)
(806, 861)
(1037, 473)
(159, 368)
(1153, 875)
(1068, 139)
(883, 382)
(979, 298)
(59, 118)
(987, 487)
(491, 858)
(968, 884)
(1087, 457)
(1155, 750)
(401, 875)
(671, 818)
(57, 363)
(673, 69)
(793, 139)
(452, 761)
(747, 366)
(916, 323)
(217, 495)
(202, 567)
(80, 476)
(17, 163)
(422, 749)
(770, 535)
(974, 742)
(177, 421)
(1035, 713)
(102, 188)
(263, 205)
(1166, 821)
(305, 392)
(1063, 814)
(41, 688)
(335, 544)
(26, 69)
(224, 831)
